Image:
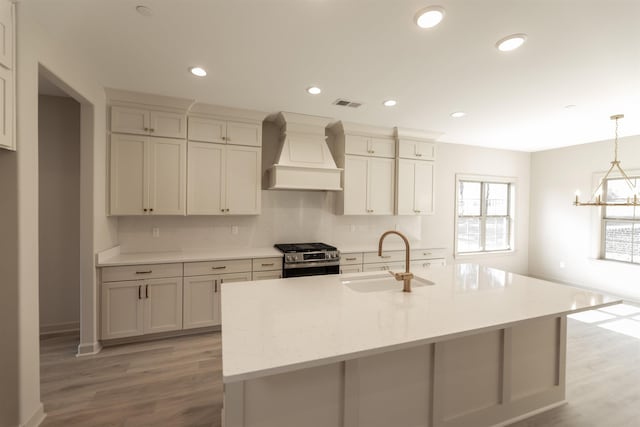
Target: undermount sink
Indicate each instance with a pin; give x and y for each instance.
(379, 282)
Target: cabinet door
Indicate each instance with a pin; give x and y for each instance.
(129, 120)
(380, 189)
(162, 305)
(128, 195)
(201, 302)
(382, 147)
(239, 133)
(7, 107)
(230, 278)
(167, 164)
(6, 34)
(122, 309)
(243, 184)
(355, 185)
(350, 269)
(170, 125)
(356, 144)
(416, 150)
(206, 168)
(424, 188)
(406, 187)
(207, 130)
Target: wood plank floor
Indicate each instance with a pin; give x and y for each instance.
(178, 382)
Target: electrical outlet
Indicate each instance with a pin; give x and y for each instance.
(234, 229)
(155, 231)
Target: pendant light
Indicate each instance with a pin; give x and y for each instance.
(596, 197)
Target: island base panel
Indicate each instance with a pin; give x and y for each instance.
(482, 379)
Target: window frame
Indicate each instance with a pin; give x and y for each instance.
(511, 196)
(604, 219)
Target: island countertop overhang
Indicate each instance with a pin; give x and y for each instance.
(277, 326)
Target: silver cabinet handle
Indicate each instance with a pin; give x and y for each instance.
(215, 286)
(418, 154)
(140, 292)
(219, 268)
(144, 272)
(146, 291)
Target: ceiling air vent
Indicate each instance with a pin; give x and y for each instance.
(345, 103)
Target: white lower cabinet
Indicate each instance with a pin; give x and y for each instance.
(267, 275)
(202, 298)
(137, 307)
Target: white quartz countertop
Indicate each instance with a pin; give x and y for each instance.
(275, 326)
(116, 258)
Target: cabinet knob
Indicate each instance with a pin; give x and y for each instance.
(418, 155)
(224, 138)
(151, 210)
(152, 130)
(146, 129)
(227, 210)
(221, 210)
(145, 209)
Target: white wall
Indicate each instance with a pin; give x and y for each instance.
(19, 192)
(59, 205)
(295, 216)
(561, 232)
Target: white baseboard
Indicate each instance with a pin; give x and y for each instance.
(88, 349)
(36, 419)
(57, 328)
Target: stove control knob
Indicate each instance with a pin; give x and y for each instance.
(289, 258)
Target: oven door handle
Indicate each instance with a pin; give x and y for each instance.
(312, 264)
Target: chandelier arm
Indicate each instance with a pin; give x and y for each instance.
(626, 178)
(606, 175)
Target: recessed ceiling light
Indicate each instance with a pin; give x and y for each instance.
(458, 114)
(144, 10)
(390, 103)
(570, 107)
(429, 17)
(198, 71)
(511, 42)
(314, 90)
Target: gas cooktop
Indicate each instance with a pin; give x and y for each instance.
(304, 247)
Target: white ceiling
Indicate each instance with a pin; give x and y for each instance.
(262, 54)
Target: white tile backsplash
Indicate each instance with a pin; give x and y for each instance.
(287, 216)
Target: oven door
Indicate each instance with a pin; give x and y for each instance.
(310, 270)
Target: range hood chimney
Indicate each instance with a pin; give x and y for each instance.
(304, 160)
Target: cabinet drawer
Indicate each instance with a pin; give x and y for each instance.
(384, 266)
(266, 275)
(428, 263)
(344, 269)
(387, 256)
(138, 272)
(349, 259)
(427, 253)
(266, 264)
(217, 267)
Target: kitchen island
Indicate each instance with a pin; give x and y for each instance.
(469, 346)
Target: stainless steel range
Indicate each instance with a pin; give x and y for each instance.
(309, 259)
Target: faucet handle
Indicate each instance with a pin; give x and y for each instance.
(402, 276)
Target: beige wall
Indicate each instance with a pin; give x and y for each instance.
(563, 233)
(59, 205)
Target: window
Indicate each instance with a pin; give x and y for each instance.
(620, 224)
(484, 217)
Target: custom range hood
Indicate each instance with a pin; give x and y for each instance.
(304, 161)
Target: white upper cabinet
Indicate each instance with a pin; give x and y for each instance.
(167, 181)
(204, 129)
(368, 186)
(370, 146)
(417, 150)
(148, 122)
(223, 179)
(147, 175)
(6, 34)
(415, 190)
(205, 184)
(7, 75)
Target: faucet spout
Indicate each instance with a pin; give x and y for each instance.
(407, 275)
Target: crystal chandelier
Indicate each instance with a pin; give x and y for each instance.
(596, 197)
